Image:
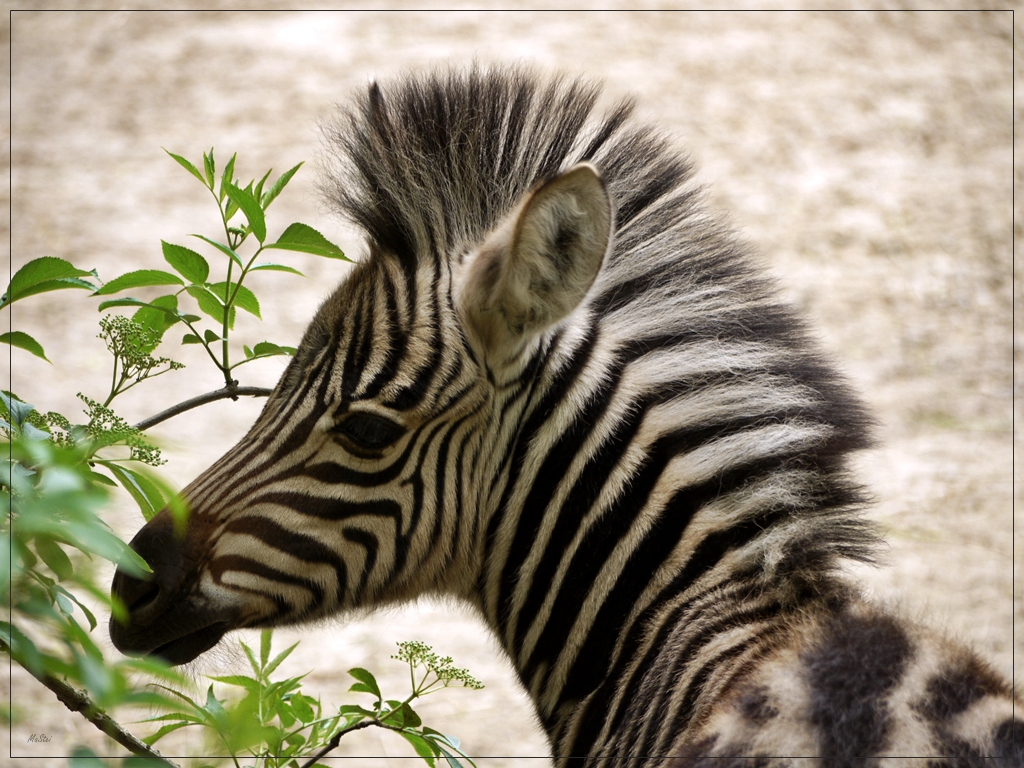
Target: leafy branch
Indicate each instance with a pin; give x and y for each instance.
(78, 701)
(274, 722)
(57, 483)
(398, 716)
(131, 343)
(219, 301)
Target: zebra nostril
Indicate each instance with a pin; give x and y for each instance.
(150, 592)
(136, 594)
(157, 544)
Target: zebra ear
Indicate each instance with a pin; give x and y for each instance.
(537, 266)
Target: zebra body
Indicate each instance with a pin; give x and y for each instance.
(559, 389)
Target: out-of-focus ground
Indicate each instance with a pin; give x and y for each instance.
(868, 156)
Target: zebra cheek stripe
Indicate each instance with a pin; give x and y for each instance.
(559, 389)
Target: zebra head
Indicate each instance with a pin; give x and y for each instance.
(367, 476)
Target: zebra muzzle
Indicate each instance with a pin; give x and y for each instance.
(167, 616)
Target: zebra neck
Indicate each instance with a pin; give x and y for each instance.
(672, 662)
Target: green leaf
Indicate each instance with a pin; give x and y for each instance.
(83, 757)
(88, 614)
(240, 681)
(180, 695)
(17, 409)
(186, 262)
(96, 539)
(228, 176)
(268, 348)
(251, 208)
(408, 715)
(216, 710)
(23, 650)
(32, 432)
(271, 194)
(191, 338)
(303, 238)
(230, 209)
(138, 279)
(425, 749)
(258, 192)
(223, 249)
(393, 713)
(266, 637)
(50, 553)
(66, 607)
(48, 271)
(128, 301)
(252, 659)
(295, 742)
(210, 304)
(24, 341)
(453, 761)
(97, 677)
(160, 315)
(244, 298)
(265, 349)
(163, 731)
(174, 716)
(49, 285)
(210, 336)
(285, 713)
(187, 166)
(146, 493)
(210, 167)
(276, 662)
(96, 477)
(270, 266)
(367, 682)
(354, 712)
(302, 707)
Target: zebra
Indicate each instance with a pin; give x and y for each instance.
(560, 389)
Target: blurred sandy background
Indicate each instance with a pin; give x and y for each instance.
(867, 155)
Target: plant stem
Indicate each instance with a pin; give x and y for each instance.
(225, 365)
(79, 701)
(233, 391)
(113, 382)
(336, 739)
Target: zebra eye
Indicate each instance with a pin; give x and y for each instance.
(369, 431)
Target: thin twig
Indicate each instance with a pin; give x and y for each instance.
(79, 701)
(333, 743)
(220, 394)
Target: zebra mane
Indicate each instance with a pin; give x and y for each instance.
(430, 163)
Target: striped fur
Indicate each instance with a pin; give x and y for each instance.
(559, 389)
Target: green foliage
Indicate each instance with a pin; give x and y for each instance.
(58, 479)
(44, 274)
(274, 722)
(439, 670)
(41, 275)
(50, 536)
(130, 343)
(219, 301)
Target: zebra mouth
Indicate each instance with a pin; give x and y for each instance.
(185, 649)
